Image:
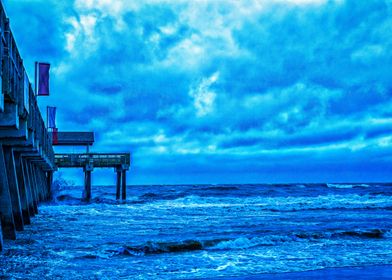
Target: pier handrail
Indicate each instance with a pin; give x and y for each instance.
(21, 118)
(95, 159)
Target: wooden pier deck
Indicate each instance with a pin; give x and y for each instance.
(27, 157)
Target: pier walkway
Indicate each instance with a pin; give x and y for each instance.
(27, 157)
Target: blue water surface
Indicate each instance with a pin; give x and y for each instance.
(206, 231)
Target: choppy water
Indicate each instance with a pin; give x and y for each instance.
(188, 232)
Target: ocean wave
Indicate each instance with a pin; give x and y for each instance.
(360, 233)
(220, 188)
(321, 202)
(159, 248)
(242, 243)
(347, 186)
(151, 196)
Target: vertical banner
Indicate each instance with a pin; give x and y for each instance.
(51, 111)
(55, 136)
(43, 78)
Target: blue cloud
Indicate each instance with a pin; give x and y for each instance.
(282, 91)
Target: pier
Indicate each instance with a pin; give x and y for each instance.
(88, 161)
(27, 158)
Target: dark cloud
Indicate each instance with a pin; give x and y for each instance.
(272, 90)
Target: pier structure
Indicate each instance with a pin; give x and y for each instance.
(27, 159)
(88, 161)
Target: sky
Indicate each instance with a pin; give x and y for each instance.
(220, 91)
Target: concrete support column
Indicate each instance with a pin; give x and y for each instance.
(45, 184)
(22, 189)
(33, 187)
(49, 178)
(6, 216)
(28, 186)
(38, 184)
(87, 182)
(124, 184)
(1, 237)
(87, 185)
(13, 187)
(42, 184)
(118, 184)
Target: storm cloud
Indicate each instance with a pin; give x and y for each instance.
(221, 91)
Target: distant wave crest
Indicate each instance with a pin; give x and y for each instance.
(347, 186)
(284, 204)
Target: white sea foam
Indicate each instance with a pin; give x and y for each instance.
(388, 234)
(346, 186)
(348, 201)
(245, 243)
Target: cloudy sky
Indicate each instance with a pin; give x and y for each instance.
(220, 91)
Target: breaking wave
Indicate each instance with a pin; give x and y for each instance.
(322, 202)
(347, 186)
(244, 242)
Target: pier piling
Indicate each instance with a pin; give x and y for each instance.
(1, 238)
(118, 183)
(33, 185)
(124, 184)
(14, 188)
(87, 182)
(22, 189)
(7, 218)
(28, 186)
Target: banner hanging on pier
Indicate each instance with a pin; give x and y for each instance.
(55, 136)
(43, 78)
(51, 111)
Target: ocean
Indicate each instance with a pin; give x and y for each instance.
(259, 231)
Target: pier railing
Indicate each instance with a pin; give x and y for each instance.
(94, 159)
(21, 122)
